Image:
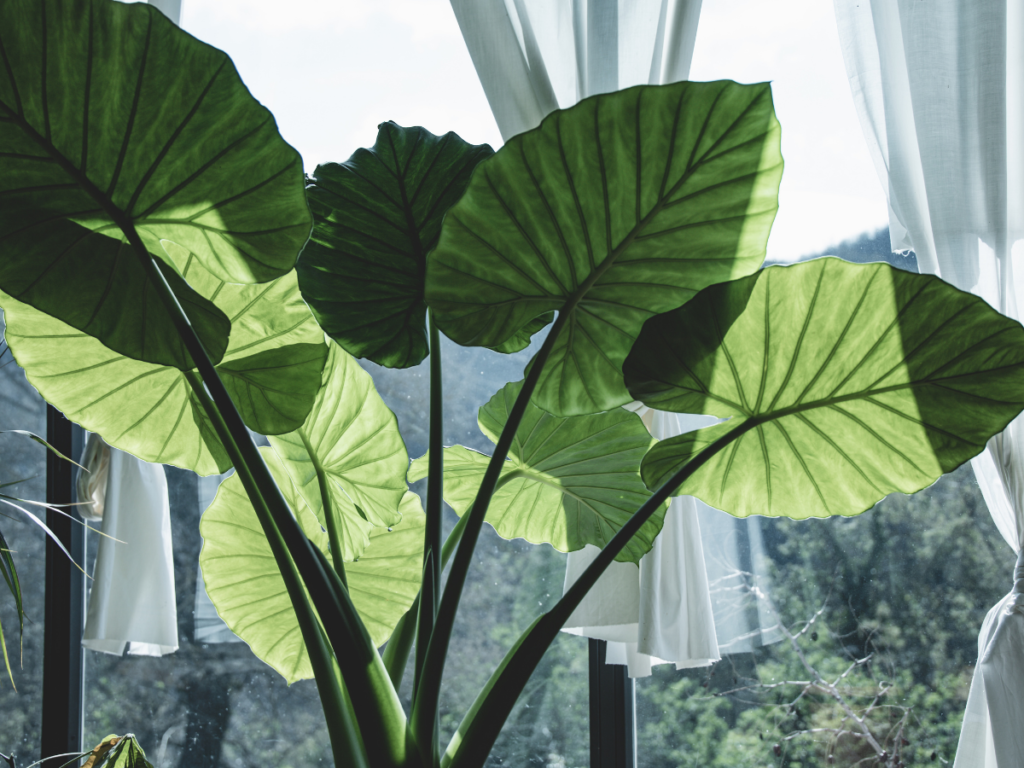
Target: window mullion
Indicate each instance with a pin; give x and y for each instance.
(612, 712)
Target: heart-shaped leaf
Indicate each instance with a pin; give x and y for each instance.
(842, 383)
(149, 410)
(375, 218)
(350, 438)
(611, 211)
(114, 122)
(569, 481)
(246, 587)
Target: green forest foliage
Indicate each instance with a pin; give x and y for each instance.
(908, 583)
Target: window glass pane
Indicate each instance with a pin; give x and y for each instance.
(510, 582)
(212, 702)
(896, 597)
(22, 459)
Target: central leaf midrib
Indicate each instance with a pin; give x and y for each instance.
(410, 221)
(764, 418)
(321, 477)
(632, 235)
(117, 214)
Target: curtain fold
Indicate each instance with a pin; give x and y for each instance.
(131, 601)
(533, 57)
(939, 87)
(536, 56)
(662, 612)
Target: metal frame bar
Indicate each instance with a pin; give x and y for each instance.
(612, 712)
(63, 655)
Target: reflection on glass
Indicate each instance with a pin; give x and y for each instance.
(737, 571)
(24, 460)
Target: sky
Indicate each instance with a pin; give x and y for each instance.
(331, 70)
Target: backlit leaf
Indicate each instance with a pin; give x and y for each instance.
(149, 410)
(114, 122)
(246, 587)
(375, 217)
(569, 481)
(353, 438)
(611, 211)
(842, 383)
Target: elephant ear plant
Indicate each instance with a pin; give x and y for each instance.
(151, 218)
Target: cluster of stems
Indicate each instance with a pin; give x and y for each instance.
(357, 686)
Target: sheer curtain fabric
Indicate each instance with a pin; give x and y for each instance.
(536, 56)
(131, 600)
(939, 87)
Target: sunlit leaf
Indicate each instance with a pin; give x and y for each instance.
(841, 383)
(115, 752)
(352, 438)
(569, 481)
(149, 410)
(375, 217)
(611, 211)
(114, 122)
(246, 587)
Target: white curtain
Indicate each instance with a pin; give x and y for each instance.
(661, 613)
(939, 87)
(536, 56)
(131, 600)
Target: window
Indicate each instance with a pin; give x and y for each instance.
(903, 584)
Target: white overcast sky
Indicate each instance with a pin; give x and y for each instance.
(331, 70)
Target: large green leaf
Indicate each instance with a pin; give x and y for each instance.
(352, 439)
(375, 217)
(569, 481)
(149, 410)
(616, 209)
(842, 383)
(245, 585)
(113, 120)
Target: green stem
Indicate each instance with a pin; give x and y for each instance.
(341, 728)
(453, 540)
(333, 532)
(431, 588)
(425, 702)
(478, 732)
(373, 684)
(345, 631)
(396, 653)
